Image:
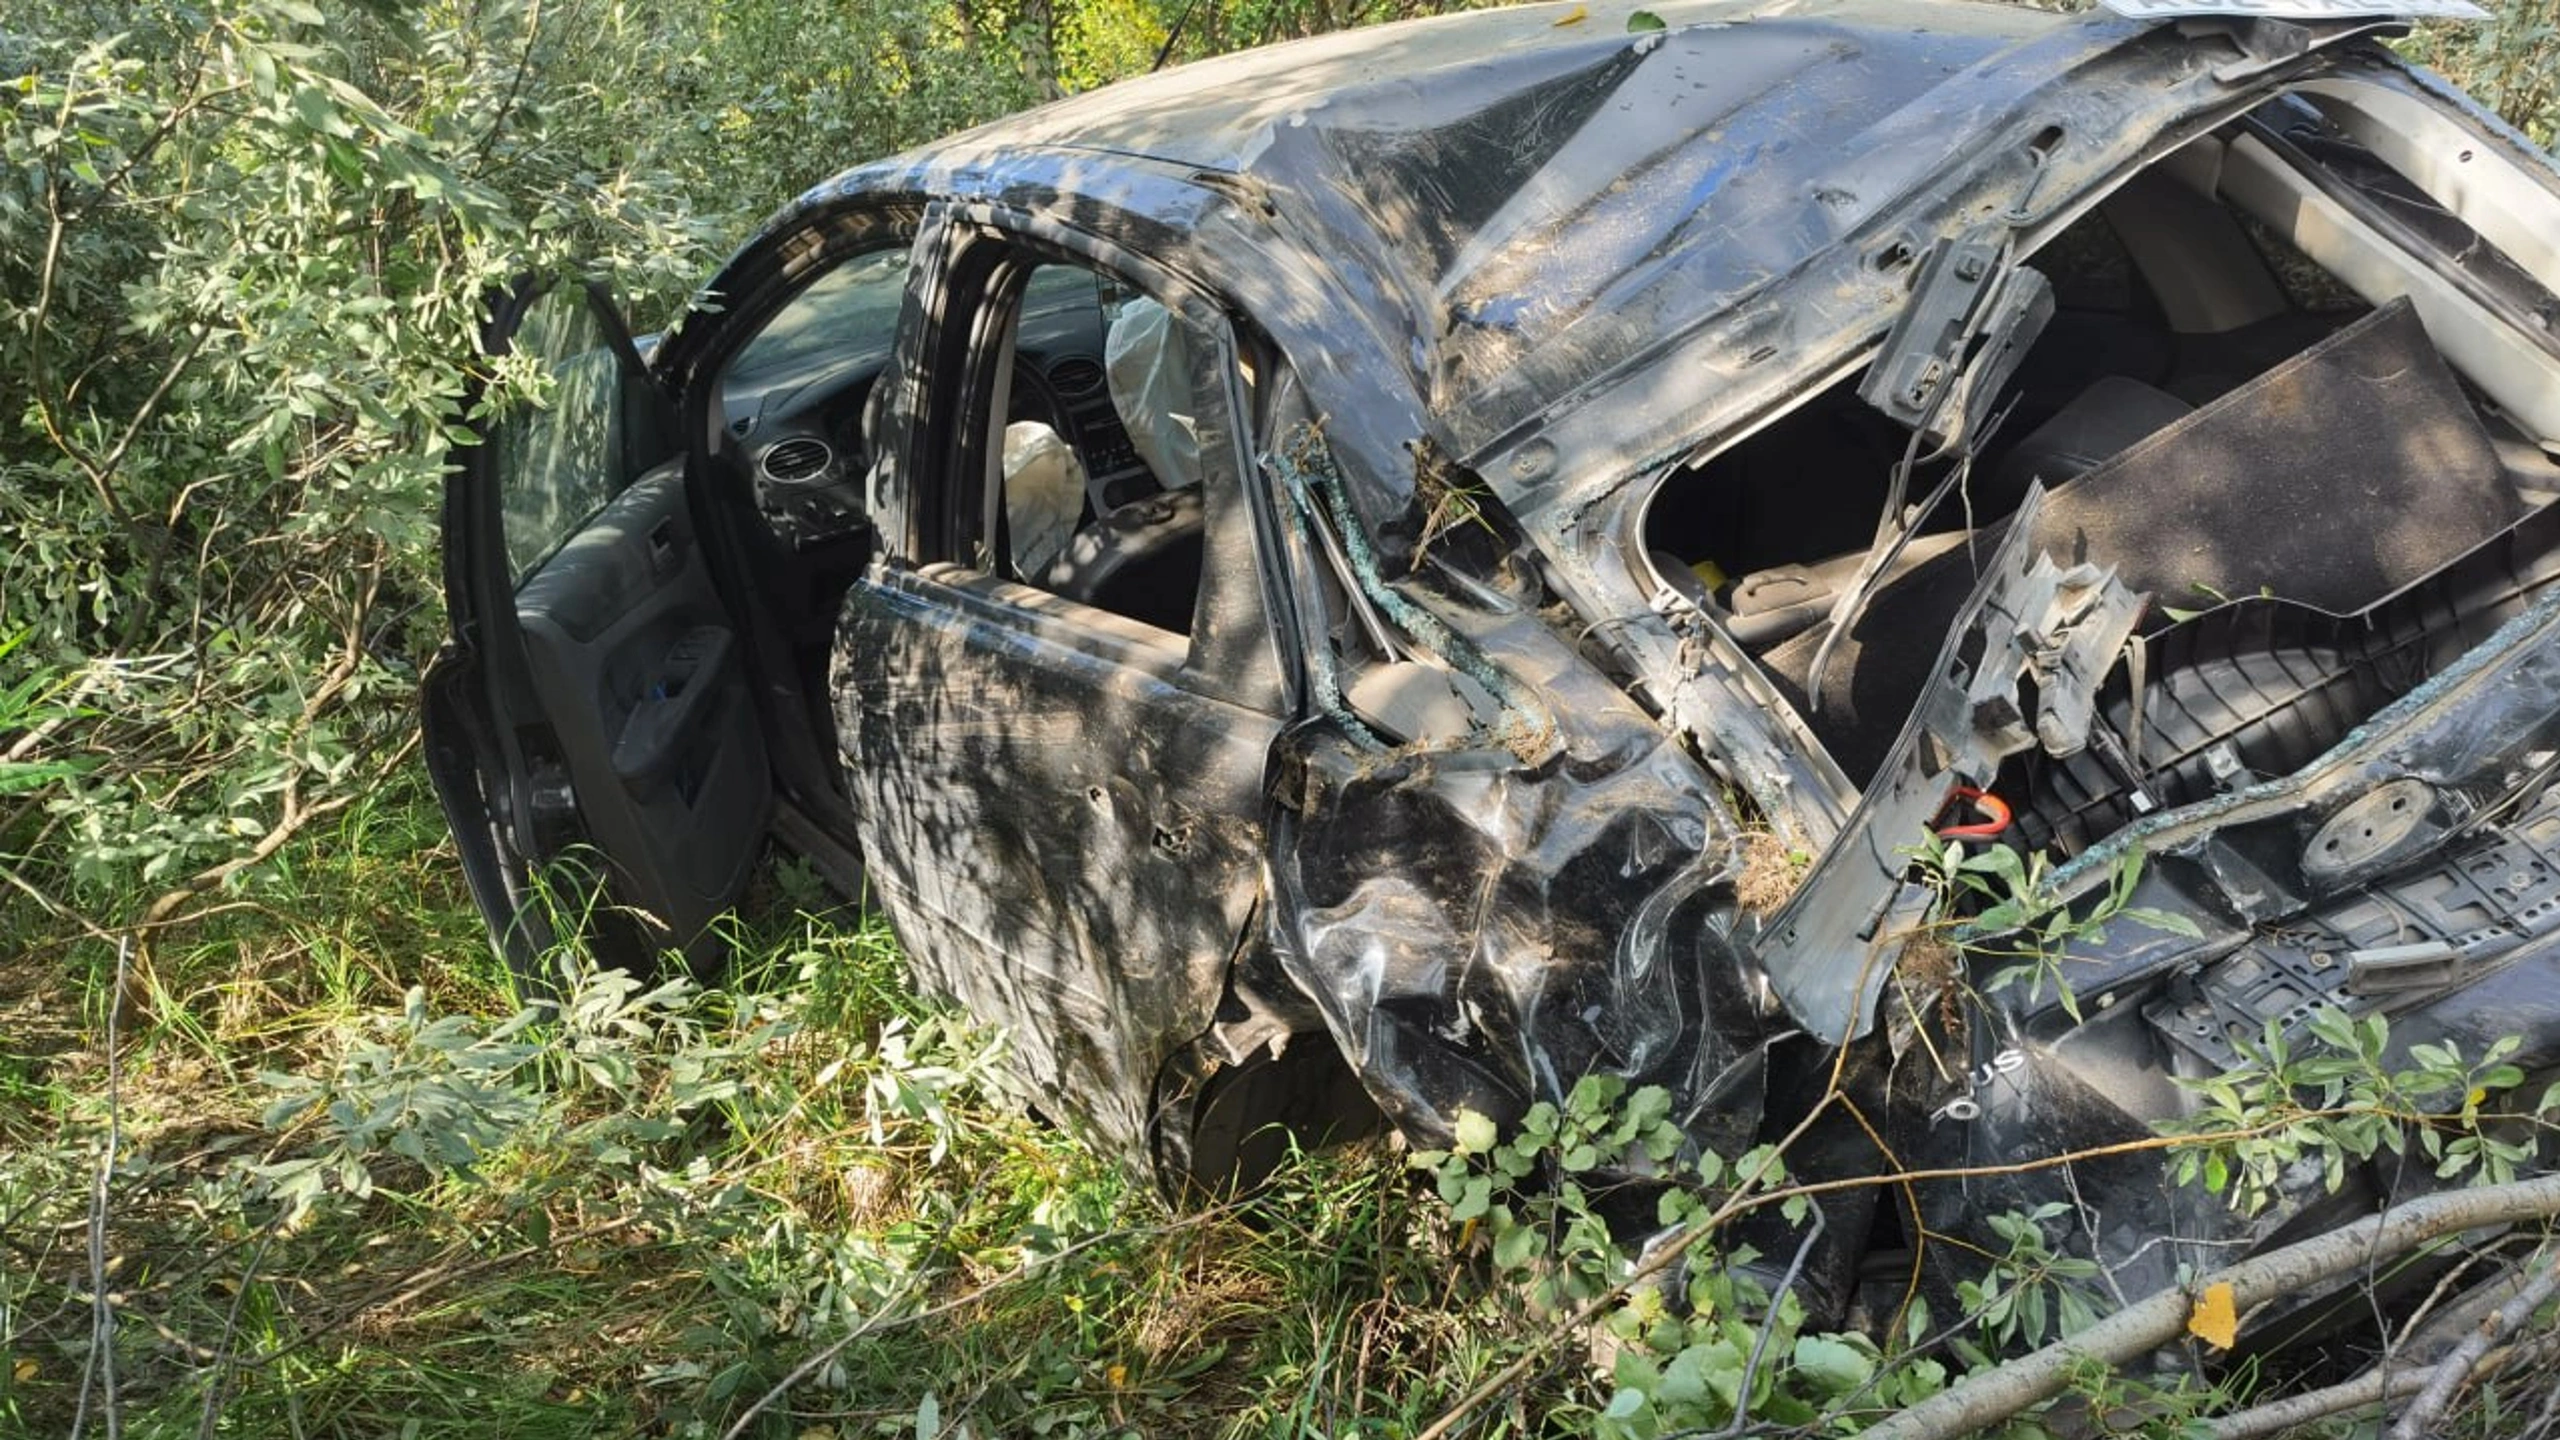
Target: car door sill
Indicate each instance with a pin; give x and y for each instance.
(802, 834)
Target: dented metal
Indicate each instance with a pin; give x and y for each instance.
(1829, 952)
(1502, 811)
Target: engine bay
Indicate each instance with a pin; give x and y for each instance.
(2204, 600)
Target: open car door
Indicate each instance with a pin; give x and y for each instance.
(590, 728)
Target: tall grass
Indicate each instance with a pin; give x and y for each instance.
(364, 1192)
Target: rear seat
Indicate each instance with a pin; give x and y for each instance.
(2349, 471)
(1769, 607)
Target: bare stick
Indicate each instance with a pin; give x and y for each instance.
(2449, 1373)
(2376, 1386)
(101, 1364)
(2373, 1387)
(2542, 1421)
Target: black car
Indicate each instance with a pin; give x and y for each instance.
(1377, 577)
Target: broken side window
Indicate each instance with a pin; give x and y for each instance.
(1095, 457)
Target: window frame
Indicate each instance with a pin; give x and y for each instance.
(756, 571)
(633, 413)
(941, 485)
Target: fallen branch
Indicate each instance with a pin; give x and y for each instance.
(2447, 1375)
(1748, 1196)
(2373, 1387)
(2379, 1385)
(1993, 1395)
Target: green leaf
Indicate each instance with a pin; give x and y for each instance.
(2168, 921)
(1540, 1123)
(1516, 1247)
(1834, 1365)
(312, 106)
(1593, 1096)
(1647, 1106)
(2005, 916)
(1640, 21)
(1475, 1133)
(1713, 1369)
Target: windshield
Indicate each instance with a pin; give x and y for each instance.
(859, 297)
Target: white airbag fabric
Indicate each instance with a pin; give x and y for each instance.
(1150, 369)
(1043, 496)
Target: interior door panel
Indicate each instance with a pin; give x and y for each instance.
(637, 672)
(591, 722)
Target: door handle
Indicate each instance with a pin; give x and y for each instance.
(679, 701)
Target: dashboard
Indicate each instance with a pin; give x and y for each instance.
(803, 408)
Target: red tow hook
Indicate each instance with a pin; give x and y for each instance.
(1992, 807)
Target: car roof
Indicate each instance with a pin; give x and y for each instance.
(1219, 114)
(1506, 208)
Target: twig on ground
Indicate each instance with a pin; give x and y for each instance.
(100, 1366)
(2546, 1418)
(2379, 1385)
(217, 1388)
(2450, 1289)
(2373, 1387)
(2449, 1373)
(883, 1319)
(425, 1282)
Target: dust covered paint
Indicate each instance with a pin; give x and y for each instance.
(1742, 449)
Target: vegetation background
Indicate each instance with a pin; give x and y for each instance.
(280, 1152)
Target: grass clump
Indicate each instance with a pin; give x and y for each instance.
(361, 1187)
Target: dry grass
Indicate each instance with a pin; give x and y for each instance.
(1771, 873)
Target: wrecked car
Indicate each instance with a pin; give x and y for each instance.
(1368, 580)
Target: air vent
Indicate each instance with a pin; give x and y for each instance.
(797, 461)
(1076, 378)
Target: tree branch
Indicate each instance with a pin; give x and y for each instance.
(1993, 1395)
(2376, 1386)
(2447, 1375)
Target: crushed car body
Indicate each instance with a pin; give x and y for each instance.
(1594, 504)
